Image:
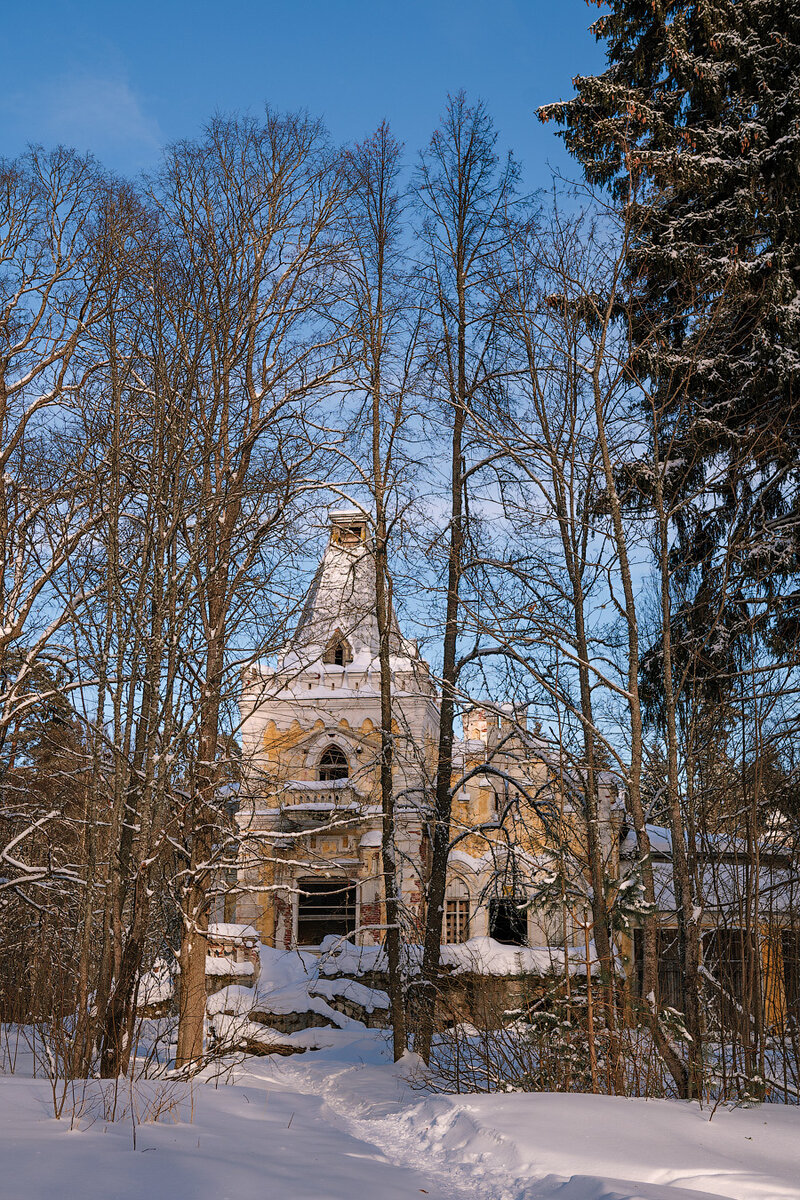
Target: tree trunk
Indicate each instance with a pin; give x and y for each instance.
(670, 1055)
(192, 1006)
(442, 804)
(687, 912)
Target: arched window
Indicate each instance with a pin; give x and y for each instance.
(333, 764)
(338, 652)
(456, 911)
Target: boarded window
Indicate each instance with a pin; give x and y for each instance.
(456, 910)
(456, 920)
(325, 907)
(723, 960)
(507, 923)
(333, 764)
(350, 533)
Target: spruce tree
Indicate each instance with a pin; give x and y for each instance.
(695, 127)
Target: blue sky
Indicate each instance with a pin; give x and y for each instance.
(124, 79)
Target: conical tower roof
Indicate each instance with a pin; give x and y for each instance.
(339, 609)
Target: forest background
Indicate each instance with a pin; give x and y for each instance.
(571, 417)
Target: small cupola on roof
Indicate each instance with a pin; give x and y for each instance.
(348, 527)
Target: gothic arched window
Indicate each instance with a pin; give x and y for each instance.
(456, 911)
(333, 764)
(338, 652)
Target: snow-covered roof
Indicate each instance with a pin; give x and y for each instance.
(341, 602)
(228, 967)
(724, 873)
(230, 931)
(725, 886)
(660, 841)
(317, 785)
(320, 806)
(478, 956)
(711, 845)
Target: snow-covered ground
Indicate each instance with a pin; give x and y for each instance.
(343, 1123)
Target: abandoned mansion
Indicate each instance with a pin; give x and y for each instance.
(310, 815)
(311, 739)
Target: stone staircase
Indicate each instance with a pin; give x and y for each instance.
(288, 997)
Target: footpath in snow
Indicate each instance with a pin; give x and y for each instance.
(343, 1123)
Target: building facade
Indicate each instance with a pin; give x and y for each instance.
(310, 814)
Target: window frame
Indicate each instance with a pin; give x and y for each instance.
(333, 764)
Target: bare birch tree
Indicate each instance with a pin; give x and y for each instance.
(461, 192)
(50, 298)
(384, 332)
(253, 210)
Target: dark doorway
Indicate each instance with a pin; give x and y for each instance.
(506, 923)
(325, 907)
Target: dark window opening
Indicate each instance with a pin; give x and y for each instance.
(333, 764)
(338, 652)
(325, 907)
(725, 957)
(507, 923)
(790, 945)
(670, 968)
